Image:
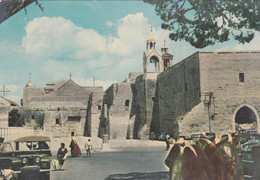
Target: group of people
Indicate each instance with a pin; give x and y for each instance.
(62, 153)
(204, 159)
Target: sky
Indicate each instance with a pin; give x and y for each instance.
(104, 40)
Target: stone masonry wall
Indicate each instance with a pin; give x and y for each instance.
(93, 115)
(65, 127)
(179, 92)
(144, 97)
(140, 106)
(220, 75)
(118, 113)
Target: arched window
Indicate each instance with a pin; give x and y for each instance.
(127, 105)
(154, 64)
(151, 45)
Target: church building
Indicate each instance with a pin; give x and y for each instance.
(61, 108)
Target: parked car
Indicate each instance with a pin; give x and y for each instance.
(32, 158)
(249, 142)
(6, 157)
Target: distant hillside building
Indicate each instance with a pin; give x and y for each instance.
(60, 108)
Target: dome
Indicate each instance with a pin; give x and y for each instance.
(151, 37)
(29, 84)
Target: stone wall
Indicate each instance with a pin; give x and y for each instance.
(179, 92)
(204, 92)
(93, 114)
(220, 75)
(144, 97)
(57, 123)
(4, 110)
(117, 107)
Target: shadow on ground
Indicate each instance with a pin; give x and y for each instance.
(138, 175)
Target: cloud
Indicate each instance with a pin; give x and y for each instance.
(57, 36)
(131, 34)
(54, 47)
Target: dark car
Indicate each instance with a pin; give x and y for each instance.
(248, 142)
(6, 157)
(31, 158)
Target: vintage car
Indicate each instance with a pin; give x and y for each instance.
(31, 158)
(249, 141)
(6, 156)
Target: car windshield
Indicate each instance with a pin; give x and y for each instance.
(5, 147)
(39, 145)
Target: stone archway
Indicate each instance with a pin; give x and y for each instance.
(246, 117)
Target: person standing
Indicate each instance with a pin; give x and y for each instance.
(167, 142)
(61, 155)
(75, 149)
(88, 148)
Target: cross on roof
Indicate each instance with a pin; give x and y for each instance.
(70, 75)
(151, 28)
(30, 75)
(4, 91)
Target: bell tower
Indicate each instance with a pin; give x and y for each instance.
(167, 57)
(152, 58)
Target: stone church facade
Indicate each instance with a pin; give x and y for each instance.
(207, 91)
(62, 108)
(210, 91)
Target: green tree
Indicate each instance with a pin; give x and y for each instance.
(203, 23)
(15, 119)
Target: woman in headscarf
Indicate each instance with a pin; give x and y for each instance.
(75, 150)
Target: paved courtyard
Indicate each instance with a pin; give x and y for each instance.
(126, 163)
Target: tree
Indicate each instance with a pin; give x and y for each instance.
(10, 7)
(203, 23)
(15, 119)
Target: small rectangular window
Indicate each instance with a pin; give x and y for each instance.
(241, 77)
(57, 121)
(74, 118)
(32, 116)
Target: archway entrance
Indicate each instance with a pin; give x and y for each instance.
(246, 119)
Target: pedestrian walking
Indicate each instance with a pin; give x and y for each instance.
(75, 149)
(61, 155)
(88, 148)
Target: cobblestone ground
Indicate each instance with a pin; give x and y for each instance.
(129, 163)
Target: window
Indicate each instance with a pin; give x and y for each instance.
(127, 105)
(33, 117)
(151, 45)
(99, 107)
(74, 118)
(241, 77)
(166, 63)
(57, 120)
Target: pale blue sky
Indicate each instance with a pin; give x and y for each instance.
(101, 39)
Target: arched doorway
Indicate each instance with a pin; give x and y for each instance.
(246, 118)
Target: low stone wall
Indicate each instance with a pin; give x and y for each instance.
(12, 133)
